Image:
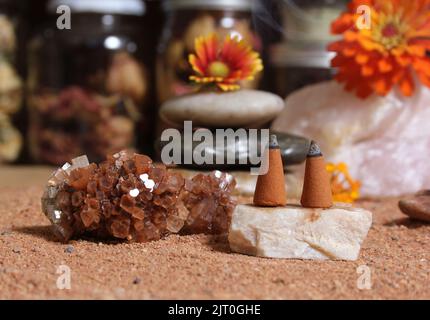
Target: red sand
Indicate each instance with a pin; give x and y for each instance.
(201, 267)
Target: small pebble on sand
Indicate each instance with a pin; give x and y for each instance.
(417, 207)
(16, 250)
(69, 249)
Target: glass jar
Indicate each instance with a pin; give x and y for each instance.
(307, 22)
(302, 59)
(11, 87)
(296, 67)
(87, 85)
(188, 19)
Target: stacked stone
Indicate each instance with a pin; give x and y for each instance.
(242, 109)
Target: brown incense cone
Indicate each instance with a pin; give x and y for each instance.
(316, 188)
(270, 188)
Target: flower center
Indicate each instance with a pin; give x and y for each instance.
(390, 33)
(218, 69)
(390, 30)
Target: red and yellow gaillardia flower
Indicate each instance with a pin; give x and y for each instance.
(390, 53)
(223, 64)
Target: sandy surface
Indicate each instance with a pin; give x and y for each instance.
(24, 175)
(201, 267)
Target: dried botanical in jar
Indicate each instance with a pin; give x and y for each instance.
(7, 34)
(76, 120)
(91, 97)
(10, 140)
(10, 87)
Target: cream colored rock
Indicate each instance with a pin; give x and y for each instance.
(299, 233)
(228, 109)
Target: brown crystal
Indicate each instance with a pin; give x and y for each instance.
(78, 198)
(127, 203)
(90, 217)
(79, 177)
(120, 227)
(208, 199)
(112, 200)
(142, 163)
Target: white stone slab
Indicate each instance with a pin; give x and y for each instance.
(299, 233)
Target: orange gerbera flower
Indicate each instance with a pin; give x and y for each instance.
(223, 64)
(388, 54)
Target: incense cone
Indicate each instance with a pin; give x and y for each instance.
(316, 188)
(270, 188)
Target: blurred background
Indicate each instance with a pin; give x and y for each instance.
(95, 88)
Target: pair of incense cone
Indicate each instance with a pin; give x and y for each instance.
(270, 189)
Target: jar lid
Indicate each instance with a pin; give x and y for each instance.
(245, 5)
(286, 55)
(128, 7)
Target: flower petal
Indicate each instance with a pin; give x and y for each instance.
(406, 85)
(384, 65)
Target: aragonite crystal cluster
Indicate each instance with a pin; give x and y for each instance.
(129, 197)
(207, 197)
